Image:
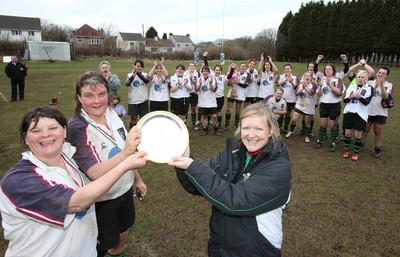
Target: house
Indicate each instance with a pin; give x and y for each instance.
(182, 43)
(133, 42)
(87, 37)
(14, 28)
(159, 45)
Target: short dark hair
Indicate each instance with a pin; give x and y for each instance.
(117, 96)
(385, 68)
(287, 64)
(205, 68)
(180, 66)
(140, 62)
(35, 115)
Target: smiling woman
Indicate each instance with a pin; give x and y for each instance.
(253, 178)
(46, 202)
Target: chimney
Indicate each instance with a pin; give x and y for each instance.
(170, 34)
(155, 38)
(188, 35)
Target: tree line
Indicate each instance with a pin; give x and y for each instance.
(367, 29)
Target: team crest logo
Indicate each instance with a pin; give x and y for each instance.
(113, 152)
(80, 215)
(136, 83)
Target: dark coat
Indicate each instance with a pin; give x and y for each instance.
(17, 71)
(238, 195)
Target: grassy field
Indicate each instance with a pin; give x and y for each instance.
(338, 207)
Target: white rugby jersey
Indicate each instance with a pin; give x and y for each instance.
(328, 96)
(375, 107)
(354, 105)
(182, 91)
(267, 85)
(274, 104)
(306, 102)
(138, 91)
(194, 76)
(206, 95)
(253, 88)
(159, 89)
(34, 199)
(221, 81)
(96, 143)
(289, 92)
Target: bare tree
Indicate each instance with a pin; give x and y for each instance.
(265, 41)
(109, 32)
(54, 32)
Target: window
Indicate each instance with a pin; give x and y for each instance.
(31, 33)
(16, 32)
(132, 45)
(94, 40)
(79, 40)
(154, 49)
(178, 44)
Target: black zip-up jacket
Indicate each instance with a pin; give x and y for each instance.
(240, 196)
(17, 71)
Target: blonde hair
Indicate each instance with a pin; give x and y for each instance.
(362, 71)
(265, 113)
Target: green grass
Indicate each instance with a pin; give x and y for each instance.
(338, 207)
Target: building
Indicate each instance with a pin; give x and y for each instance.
(182, 43)
(87, 37)
(159, 45)
(48, 51)
(132, 42)
(14, 28)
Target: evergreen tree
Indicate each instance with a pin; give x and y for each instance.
(151, 33)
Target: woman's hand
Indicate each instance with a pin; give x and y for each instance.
(137, 160)
(181, 162)
(132, 141)
(141, 187)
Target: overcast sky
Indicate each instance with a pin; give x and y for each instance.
(204, 20)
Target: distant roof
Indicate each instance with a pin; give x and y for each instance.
(87, 31)
(131, 36)
(182, 39)
(150, 42)
(15, 22)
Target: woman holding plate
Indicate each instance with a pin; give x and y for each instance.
(248, 185)
(102, 142)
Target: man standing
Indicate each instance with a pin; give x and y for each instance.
(17, 72)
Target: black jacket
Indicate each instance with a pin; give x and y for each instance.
(17, 71)
(238, 200)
